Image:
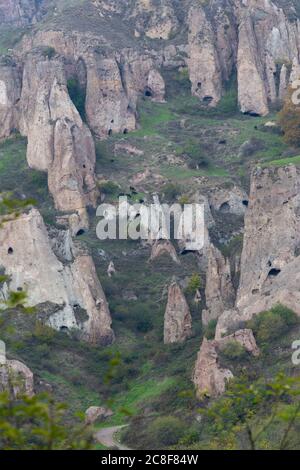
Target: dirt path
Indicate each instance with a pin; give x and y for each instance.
(107, 437)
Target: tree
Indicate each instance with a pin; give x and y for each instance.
(289, 120)
(38, 423)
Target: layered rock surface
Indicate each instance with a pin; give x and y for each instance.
(178, 320)
(71, 286)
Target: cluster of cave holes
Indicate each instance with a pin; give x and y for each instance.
(273, 271)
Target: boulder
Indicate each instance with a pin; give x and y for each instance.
(97, 413)
(16, 378)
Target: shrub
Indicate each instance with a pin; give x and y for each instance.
(233, 351)
(273, 323)
(109, 188)
(166, 431)
(194, 284)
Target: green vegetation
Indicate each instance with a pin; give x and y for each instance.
(233, 350)
(269, 325)
(77, 95)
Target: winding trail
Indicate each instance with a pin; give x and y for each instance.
(107, 437)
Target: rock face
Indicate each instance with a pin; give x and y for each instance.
(270, 258)
(163, 247)
(16, 378)
(10, 91)
(219, 290)
(96, 413)
(58, 141)
(232, 201)
(270, 262)
(178, 320)
(209, 378)
(18, 12)
(73, 288)
(257, 39)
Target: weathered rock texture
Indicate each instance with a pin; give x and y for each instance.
(219, 290)
(270, 262)
(16, 379)
(10, 91)
(178, 320)
(18, 12)
(36, 266)
(232, 201)
(209, 378)
(96, 413)
(58, 141)
(163, 247)
(257, 39)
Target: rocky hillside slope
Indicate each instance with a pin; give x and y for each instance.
(152, 99)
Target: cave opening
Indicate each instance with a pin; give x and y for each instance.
(245, 203)
(207, 99)
(80, 232)
(274, 272)
(10, 250)
(148, 93)
(110, 131)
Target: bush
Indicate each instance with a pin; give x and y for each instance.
(233, 351)
(109, 188)
(77, 95)
(273, 323)
(194, 284)
(166, 431)
(210, 329)
(289, 121)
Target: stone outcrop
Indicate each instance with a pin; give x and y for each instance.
(256, 39)
(71, 286)
(209, 377)
(178, 320)
(163, 247)
(58, 141)
(18, 12)
(232, 201)
(270, 262)
(10, 91)
(219, 290)
(97, 413)
(16, 379)
(270, 258)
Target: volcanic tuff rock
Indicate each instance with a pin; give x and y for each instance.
(219, 290)
(96, 413)
(18, 12)
(58, 141)
(178, 320)
(10, 91)
(32, 266)
(16, 378)
(209, 378)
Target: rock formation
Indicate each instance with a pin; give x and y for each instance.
(232, 201)
(16, 378)
(270, 262)
(178, 320)
(163, 247)
(18, 12)
(73, 288)
(209, 377)
(96, 413)
(219, 290)
(10, 91)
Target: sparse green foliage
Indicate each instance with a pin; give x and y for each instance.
(289, 120)
(195, 283)
(233, 350)
(268, 326)
(38, 423)
(77, 95)
(210, 329)
(166, 431)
